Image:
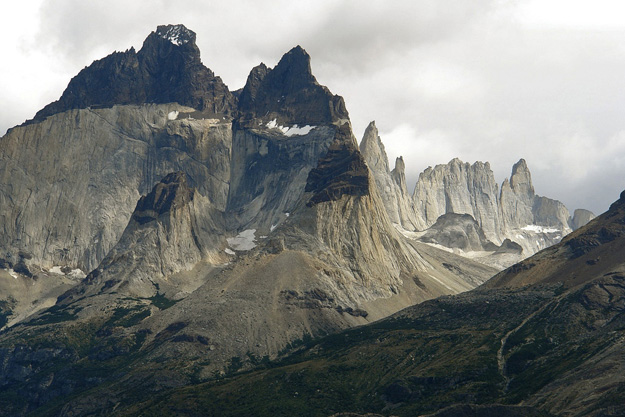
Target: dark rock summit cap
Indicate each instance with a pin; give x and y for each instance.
(290, 94)
(167, 69)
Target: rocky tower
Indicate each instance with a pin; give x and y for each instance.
(517, 198)
(391, 185)
(515, 212)
(460, 188)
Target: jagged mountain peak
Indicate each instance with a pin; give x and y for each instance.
(166, 69)
(520, 165)
(521, 179)
(254, 80)
(171, 43)
(176, 34)
(400, 166)
(390, 184)
(293, 72)
(297, 61)
(371, 134)
(373, 149)
(289, 94)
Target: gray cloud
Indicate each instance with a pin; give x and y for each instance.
(441, 78)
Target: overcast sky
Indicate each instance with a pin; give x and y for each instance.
(487, 80)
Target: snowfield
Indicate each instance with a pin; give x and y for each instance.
(539, 229)
(243, 241)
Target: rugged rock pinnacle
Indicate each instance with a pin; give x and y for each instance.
(290, 94)
(167, 69)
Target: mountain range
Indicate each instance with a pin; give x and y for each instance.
(162, 234)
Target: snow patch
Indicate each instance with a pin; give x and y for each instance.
(299, 131)
(56, 270)
(441, 247)
(178, 35)
(407, 233)
(292, 130)
(287, 214)
(539, 229)
(441, 282)
(243, 241)
(229, 251)
(274, 125)
(12, 273)
(173, 115)
(272, 228)
(77, 273)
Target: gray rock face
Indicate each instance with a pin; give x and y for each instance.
(580, 218)
(269, 172)
(69, 184)
(171, 229)
(341, 171)
(459, 188)
(391, 185)
(459, 231)
(514, 213)
(517, 198)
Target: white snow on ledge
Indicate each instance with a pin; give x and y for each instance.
(173, 115)
(539, 229)
(56, 270)
(74, 273)
(77, 273)
(290, 131)
(177, 34)
(243, 241)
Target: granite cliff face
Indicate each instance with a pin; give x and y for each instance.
(171, 229)
(513, 213)
(514, 221)
(459, 188)
(391, 184)
(69, 184)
